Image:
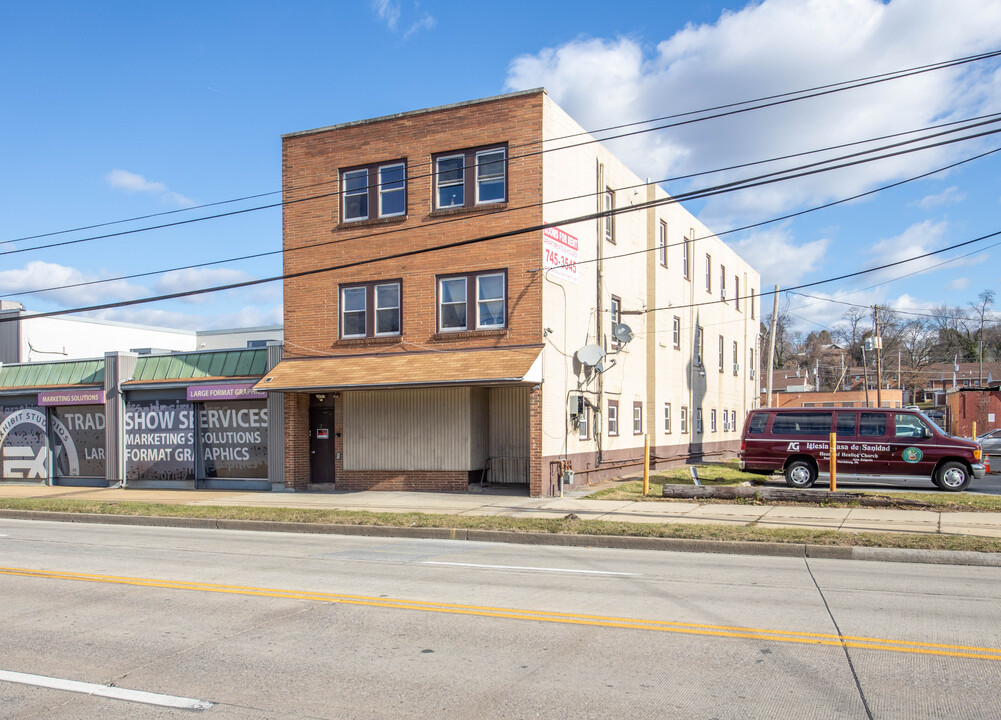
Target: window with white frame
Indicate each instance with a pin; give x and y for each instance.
(736, 292)
(722, 282)
(699, 347)
(382, 186)
(637, 418)
(370, 310)
(469, 178)
(662, 242)
(684, 420)
(676, 333)
(667, 418)
(583, 419)
(712, 420)
(720, 353)
(615, 316)
(750, 364)
(475, 301)
(613, 417)
(607, 206)
(698, 420)
(354, 184)
(736, 359)
(684, 260)
(709, 274)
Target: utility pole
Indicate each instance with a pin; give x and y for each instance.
(879, 359)
(771, 346)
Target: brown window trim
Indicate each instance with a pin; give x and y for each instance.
(374, 215)
(637, 406)
(370, 311)
(613, 404)
(471, 300)
(469, 168)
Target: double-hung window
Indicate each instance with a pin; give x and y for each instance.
(667, 417)
(467, 178)
(736, 292)
(720, 352)
(684, 419)
(709, 274)
(662, 242)
(637, 418)
(376, 191)
(370, 310)
(712, 420)
(722, 282)
(676, 333)
(698, 420)
(684, 259)
(607, 206)
(582, 426)
(736, 359)
(613, 418)
(476, 301)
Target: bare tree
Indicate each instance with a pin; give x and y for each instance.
(980, 309)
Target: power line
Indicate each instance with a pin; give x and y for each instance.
(779, 99)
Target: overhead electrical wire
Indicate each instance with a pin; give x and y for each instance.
(782, 98)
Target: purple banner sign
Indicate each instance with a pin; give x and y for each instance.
(48, 398)
(205, 393)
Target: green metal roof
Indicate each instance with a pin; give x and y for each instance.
(31, 375)
(187, 366)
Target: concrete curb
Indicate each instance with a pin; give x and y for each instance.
(625, 542)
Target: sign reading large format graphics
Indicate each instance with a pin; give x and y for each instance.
(234, 439)
(236, 391)
(559, 254)
(77, 442)
(160, 440)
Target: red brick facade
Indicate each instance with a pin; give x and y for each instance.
(315, 238)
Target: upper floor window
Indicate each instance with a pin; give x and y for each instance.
(370, 310)
(475, 301)
(736, 358)
(709, 274)
(662, 242)
(684, 259)
(722, 282)
(607, 206)
(720, 352)
(615, 313)
(736, 292)
(752, 303)
(676, 332)
(382, 187)
(467, 178)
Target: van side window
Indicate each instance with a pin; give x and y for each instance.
(846, 424)
(910, 426)
(872, 424)
(757, 424)
(802, 423)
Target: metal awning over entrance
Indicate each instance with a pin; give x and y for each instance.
(408, 369)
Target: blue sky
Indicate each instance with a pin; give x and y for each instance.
(114, 110)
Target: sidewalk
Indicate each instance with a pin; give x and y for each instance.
(514, 504)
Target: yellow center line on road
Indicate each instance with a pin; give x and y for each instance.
(785, 636)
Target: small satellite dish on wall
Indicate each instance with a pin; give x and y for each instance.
(622, 332)
(591, 355)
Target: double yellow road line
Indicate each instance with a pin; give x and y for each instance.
(784, 636)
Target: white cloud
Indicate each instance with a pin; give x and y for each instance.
(40, 274)
(778, 258)
(179, 281)
(772, 47)
(390, 12)
(959, 284)
(133, 183)
(949, 195)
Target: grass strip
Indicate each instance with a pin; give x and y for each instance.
(715, 532)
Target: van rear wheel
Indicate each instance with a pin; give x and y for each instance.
(953, 476)
(800, 474)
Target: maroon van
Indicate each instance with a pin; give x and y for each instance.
(885, 443)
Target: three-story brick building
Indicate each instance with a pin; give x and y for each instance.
(481, 292)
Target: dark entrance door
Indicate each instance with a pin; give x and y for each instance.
(321, 444)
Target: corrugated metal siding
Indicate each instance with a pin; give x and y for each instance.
(421, 429)
(509, 436)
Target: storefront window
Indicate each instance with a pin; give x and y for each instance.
(78, 435)
(233, 439)
(159, 437)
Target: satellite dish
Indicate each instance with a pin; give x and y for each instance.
(622, 332)
(590, 355)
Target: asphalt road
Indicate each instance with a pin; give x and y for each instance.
(266, 625)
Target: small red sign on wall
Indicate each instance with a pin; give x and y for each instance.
(322, 433)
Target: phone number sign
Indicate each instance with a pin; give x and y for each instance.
(559, 254)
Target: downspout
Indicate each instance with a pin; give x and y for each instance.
(599, 325)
